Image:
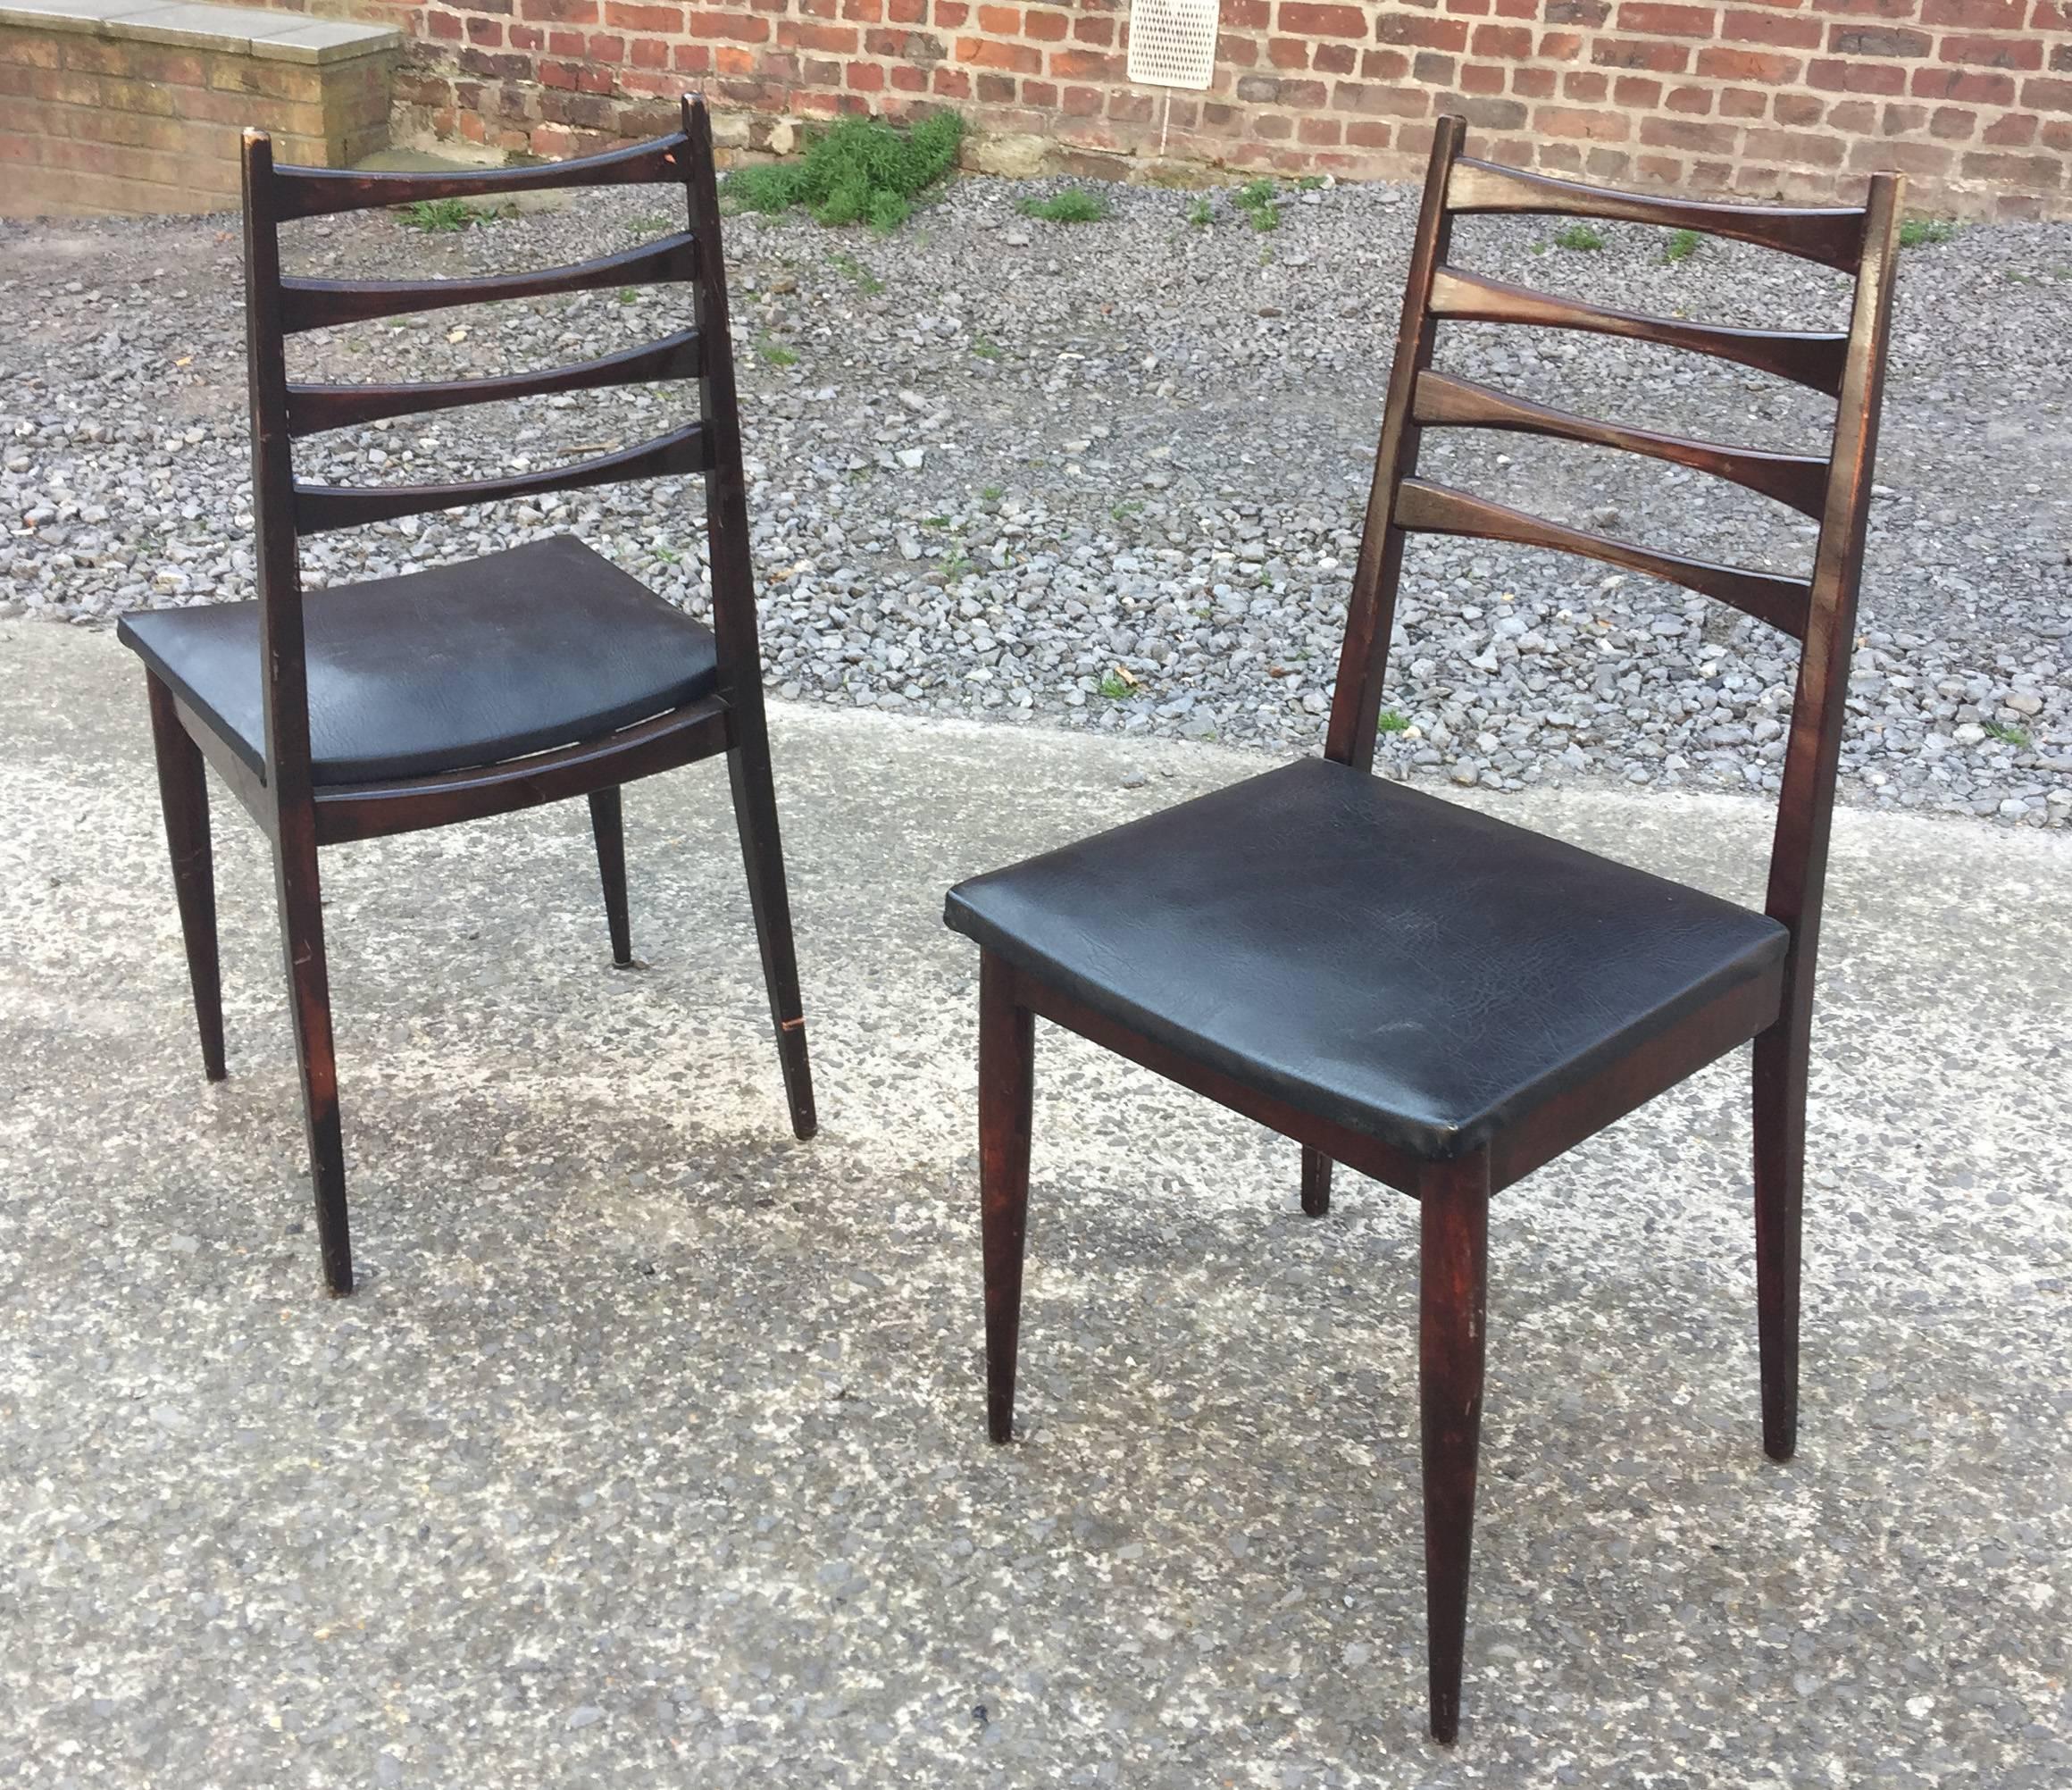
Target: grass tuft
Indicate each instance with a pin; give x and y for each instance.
(1920, 232)
(438, 216)
(1393, 721)
(1681, 245)
(862, 171)
(1580, 238)
(1074, 206)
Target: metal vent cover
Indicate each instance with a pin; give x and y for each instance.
(1172, 42)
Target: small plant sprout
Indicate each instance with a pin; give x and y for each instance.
(986, 349)
(1114, 687)
(1681, 245)
(650, 223)
(1922, 232)
(1579, 238)
(438, 216)
(1255, 199)
(1198, 214)
(2006, 735)
(857, 274)
(775, 353)
(1393, 721)
(1074, 206)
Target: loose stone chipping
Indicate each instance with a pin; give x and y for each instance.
(1111, 476)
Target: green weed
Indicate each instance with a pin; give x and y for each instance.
(1920, 232)
(1114, 687)
(1579, 238)
(776, 353)
(862, 171)
(1681, 245)
(1074, 206)
(1198, 214)
(986, 350)
(438, 216)
(857, 275)
(1393, 721)
(2006, 735)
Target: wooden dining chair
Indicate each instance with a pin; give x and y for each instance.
(1439, 998)
(522, 677)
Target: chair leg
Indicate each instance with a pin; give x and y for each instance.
(1316, 1182)
(1453, 1277)
(183, 793)
(756, 814)
(1781, 1063)
(310, 997)
(607, 822)
(1006, 1087)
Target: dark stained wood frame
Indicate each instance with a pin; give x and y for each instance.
(299, 816)
(1819, 611)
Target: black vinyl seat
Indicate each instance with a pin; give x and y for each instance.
(517, 652)
(1416, 970)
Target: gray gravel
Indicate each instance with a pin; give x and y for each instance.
(1110, 476)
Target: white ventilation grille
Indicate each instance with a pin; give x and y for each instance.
(1172, 42)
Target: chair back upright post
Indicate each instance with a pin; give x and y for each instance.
(284, 685)
(1835, 487)
(734, 576)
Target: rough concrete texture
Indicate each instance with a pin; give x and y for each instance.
(652, 1449)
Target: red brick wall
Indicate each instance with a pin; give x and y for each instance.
(1797, 98)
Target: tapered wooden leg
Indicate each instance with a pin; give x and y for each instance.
(1453, 1277)
(1781, 1061)
(607, 822)
(1007, 1088)
(1316, 1182)
(309, 995)
(183, 792)
(755, 814)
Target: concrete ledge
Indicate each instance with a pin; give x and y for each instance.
(230, 30)
(116, 107)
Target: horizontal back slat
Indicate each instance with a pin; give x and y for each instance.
(326, 304)
(313, 408)
(319, 507)
(1807, 358)
(298, 192)
(1425, 508)
(1799, 480)
(1830, 235)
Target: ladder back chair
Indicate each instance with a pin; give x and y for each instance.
(522, 677)
(1438, 999)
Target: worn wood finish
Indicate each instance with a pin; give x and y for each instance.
(1798, 480)
(310, 304)
(1832, 234)
(740, 653)
(183, 793)
(1808, 357)
(317, 192)
(1805, 815)
(1773, 1008)
(1425, 508)
(1452, 1308)
(348, 811)
(608, 827)
(313, 408)
(1371, 610)
(322, 507)
(299, 815)
(1006, 1093)
(1316, 1183)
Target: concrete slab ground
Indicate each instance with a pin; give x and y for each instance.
(652, 1450)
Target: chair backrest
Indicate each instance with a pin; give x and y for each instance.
(286, 508)
(1833, 487)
